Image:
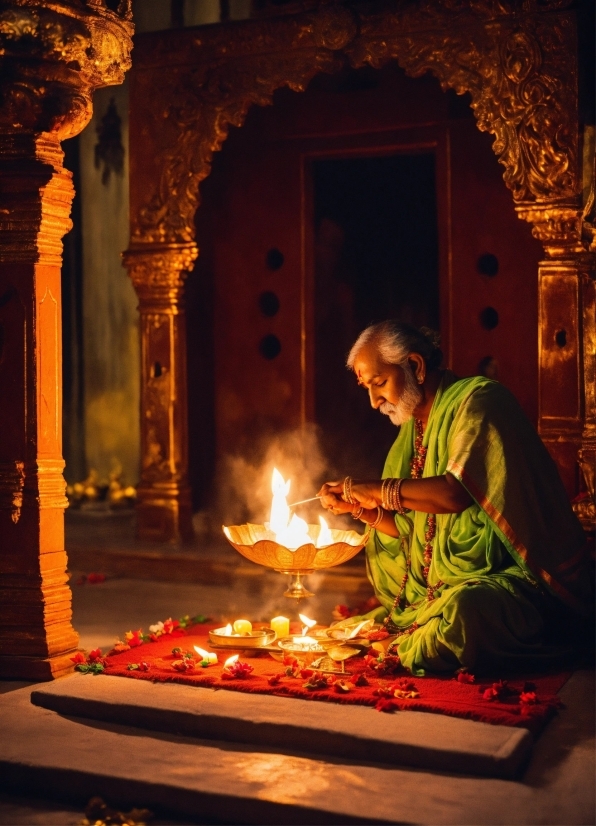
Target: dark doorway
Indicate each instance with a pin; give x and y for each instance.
(376, 257)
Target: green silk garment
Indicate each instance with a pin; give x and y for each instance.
(508, 562)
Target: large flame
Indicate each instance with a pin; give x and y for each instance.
(280, 512)
(325, 536)
(291, 533)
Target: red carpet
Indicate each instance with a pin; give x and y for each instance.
(526, 701)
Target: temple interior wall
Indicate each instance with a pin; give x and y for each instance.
(258, 198)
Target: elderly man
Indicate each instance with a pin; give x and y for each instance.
(475, 555)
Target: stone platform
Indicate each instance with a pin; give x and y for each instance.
(418, 739)
(223, 757)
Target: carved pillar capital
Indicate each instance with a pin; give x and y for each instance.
(158, 272)
(54, 56)
(557, 225)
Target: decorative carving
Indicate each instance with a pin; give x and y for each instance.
(585, 506)
(158, 274)
(54, 57)
(517, 64)
(334, 27)
(517, 60)
(558, 226)
(518, 68)
(12, 481)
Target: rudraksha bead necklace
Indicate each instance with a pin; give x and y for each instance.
(416, 470)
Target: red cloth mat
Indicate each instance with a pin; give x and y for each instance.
(513, 704)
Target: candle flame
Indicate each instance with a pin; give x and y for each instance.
(325, 536)
(310, 623)
(230, 661)
(227, 632)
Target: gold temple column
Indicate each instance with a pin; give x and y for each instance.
(158, 271)
(567, 344)
(52, 60)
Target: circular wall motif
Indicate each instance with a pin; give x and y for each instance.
(274, 259)
(269, 303)
(489, 318)
(270, 347)
(488, 264)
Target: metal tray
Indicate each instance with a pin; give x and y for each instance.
(258, 639)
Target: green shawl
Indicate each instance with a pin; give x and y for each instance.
(520, 525)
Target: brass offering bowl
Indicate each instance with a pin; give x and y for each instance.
(258, 639)
(257, 543)
(307, 654)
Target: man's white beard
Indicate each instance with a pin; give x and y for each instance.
(410, 399)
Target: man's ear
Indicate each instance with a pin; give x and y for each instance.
(418, 365)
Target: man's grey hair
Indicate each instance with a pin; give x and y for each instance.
(395, 340)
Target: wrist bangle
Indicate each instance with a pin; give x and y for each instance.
(377, 519)
(384, 489)
(400, 507)
(348, 491)
(357, 514)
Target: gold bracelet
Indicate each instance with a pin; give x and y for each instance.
(358, 513)
(385, 487)
(377, 519)
(348, 491)
(400, 507)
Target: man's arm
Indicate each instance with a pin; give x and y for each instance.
(436, 494)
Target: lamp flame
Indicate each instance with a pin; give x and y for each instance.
(204, 655)
(310, 623)
(289, 532)
(227, 632)
(305, 641)
(280, 511)
(325, 536)
(230, 661)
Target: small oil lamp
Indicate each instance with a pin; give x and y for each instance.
(289, 545)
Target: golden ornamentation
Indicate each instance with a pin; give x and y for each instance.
(519, 68)
(12, 482)
(585, 508)
(75, 51)
(558, 226)
(158, 274)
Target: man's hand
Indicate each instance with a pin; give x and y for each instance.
(362, 492)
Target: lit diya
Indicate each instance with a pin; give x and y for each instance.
(241, 635)
(289, 545)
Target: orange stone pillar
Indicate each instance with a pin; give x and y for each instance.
(53, 58)
(158, 272)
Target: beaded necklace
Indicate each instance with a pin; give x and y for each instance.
(416, 470)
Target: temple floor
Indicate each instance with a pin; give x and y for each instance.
(53, 761)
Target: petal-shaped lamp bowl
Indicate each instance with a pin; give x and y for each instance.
(256, 543)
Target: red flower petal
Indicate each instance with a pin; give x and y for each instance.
(465, 677)
(386, 705)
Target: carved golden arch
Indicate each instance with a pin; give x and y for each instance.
(518, 61)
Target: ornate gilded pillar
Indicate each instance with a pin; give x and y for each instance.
(567, 337)
(53, 57)
(164, 511)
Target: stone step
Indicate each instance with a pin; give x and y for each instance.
(413, 739)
